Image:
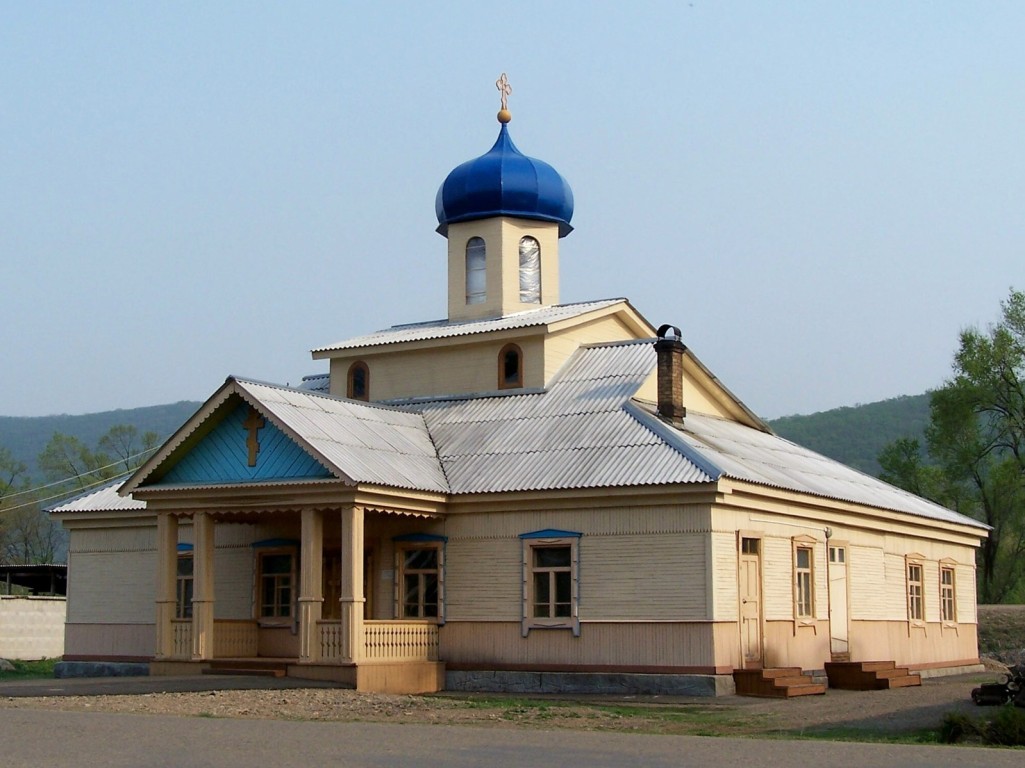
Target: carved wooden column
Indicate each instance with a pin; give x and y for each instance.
(311, 590)
(352, 598)
(167, 583)
(203, 587)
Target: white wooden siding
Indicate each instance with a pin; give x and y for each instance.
(866, 583)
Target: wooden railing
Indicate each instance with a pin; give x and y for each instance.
(181, 632)
(407, 640)
(235, 639)
(232, 639)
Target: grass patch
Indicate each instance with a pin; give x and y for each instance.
(679, 719)
(30, 670)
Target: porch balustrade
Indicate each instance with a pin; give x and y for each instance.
(235, 639)
(181, 634)
(384, 640)
(232, 639)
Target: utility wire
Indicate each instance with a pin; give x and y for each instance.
(70, 479)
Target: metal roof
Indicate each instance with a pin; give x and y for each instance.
(367, 443)
(103, 499)
(576, 435)
(584, 431)
(748, 454)
(441, 329)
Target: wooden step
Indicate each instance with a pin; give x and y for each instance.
(869, 675)
(778, 683)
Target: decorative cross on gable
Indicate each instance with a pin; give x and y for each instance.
(254, 423)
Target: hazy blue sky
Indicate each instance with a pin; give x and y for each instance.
(820, 195)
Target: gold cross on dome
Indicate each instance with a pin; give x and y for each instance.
(254, 424)
(505, 89)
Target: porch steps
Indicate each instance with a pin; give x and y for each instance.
(777, 682)
(870, 675)
(248, 667)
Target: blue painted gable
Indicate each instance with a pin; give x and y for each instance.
(222, 456)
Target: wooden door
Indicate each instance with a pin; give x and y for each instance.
(838, 626)
(751, 602)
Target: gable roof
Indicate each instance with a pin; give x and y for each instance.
(442, 329)
(103, 499)
(584, 431)
(359, 443)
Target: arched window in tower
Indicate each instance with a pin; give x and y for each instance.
(510, 367)
(358, 383)
(530, 270)
(476, 274)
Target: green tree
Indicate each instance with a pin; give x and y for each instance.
(127, 446)
(976, 440)
(66, 458)
(977, 436)
(27, 534)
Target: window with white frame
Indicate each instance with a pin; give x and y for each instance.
(275, 585)
(530, 270)
(916, 592)
(551, 580)
(476, 271)
(948, 603)
(804, 602)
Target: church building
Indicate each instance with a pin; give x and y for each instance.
(524, 495)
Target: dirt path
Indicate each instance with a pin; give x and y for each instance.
(893, 711)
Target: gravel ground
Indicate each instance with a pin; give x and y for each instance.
(902, 709)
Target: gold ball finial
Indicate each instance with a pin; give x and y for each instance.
(502, 83)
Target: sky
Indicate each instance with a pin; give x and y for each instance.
(820, 195)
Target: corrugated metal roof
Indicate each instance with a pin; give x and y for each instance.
(440, 329)
(317, 382)
(576, 435)
(103, 499)
(367, 443)
(748, 454)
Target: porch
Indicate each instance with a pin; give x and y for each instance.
(313, 617)
(397, 656)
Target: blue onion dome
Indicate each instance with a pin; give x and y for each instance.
(504, 182)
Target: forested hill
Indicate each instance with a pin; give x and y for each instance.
(855, 435)
(25, 437)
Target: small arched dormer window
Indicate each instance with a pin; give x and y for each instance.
(530, 271)
(357, 385)
(476, 271)
(510, 367)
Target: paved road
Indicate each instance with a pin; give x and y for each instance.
(49, 739)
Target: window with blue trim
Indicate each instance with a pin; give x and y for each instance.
(551, 580)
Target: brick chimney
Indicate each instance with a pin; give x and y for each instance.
(669, 348)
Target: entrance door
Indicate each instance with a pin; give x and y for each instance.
(838, 600)
(751, 602)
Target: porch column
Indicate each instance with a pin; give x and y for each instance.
(352, 599)
(203, 587)
(311, 590)
(167, 583)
